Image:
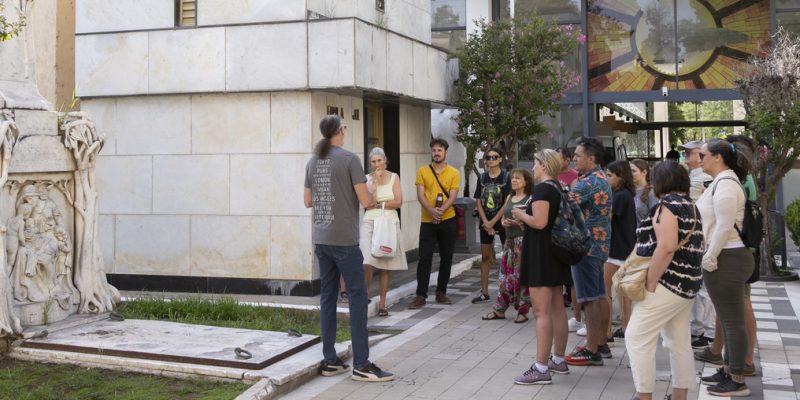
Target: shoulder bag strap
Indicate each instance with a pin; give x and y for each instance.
(446, 194)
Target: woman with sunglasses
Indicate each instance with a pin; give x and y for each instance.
(491, 192)
(727, 263)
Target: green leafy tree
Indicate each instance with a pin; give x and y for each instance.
(512, 71)
(771, 94)
(9, 29)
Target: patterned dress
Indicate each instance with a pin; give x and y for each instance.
(508, 281)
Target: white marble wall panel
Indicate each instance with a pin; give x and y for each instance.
(112, 64)
(370, 56)
(437, 75)
(230, 247)
(269, 184)
(106, 237)
(291, 249)
(420, 56)
(154, 125)
(408, 18)
(333, 8)
(226, 12)
(410, 220)
(408, 172)
(123, 15)
(125, 184)
(187, 60)
(399, 65)
(290, 122)
(415, 125)
(331, 53)
(266, 57)
(152, 244)
(354, 137)
(231, 123)
(103, 112)
(196, 184)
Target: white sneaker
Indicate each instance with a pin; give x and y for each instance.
(573, 324)
(582, 331)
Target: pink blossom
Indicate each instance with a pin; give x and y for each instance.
(497, 75)
(581, 38)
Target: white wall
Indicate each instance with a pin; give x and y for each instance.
(224, 197)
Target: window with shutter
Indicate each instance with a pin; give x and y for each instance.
(186, 12)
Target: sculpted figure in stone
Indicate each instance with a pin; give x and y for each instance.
(9, 322)
(35, 271)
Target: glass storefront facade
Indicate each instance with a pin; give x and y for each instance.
(697, 49)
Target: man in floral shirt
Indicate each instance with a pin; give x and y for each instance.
(593, 194)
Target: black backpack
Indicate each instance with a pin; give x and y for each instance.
(752, 231)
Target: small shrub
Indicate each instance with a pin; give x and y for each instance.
(793, 220)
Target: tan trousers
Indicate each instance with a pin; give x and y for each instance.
(667, 314)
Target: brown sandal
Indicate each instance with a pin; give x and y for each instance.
(521, 321)
(382, 312)
(493, 315)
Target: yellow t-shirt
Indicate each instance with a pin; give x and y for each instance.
(450, 179)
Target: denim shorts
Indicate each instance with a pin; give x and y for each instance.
(587, 276)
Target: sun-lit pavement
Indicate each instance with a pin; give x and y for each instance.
(448, 352)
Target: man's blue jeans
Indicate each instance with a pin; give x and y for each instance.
(348, 262)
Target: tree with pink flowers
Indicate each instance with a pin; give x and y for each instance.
(512, 72)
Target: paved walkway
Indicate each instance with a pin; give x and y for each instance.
(448, 352)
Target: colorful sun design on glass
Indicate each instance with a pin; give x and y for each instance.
(632, 43)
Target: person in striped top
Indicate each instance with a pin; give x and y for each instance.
(672, 234)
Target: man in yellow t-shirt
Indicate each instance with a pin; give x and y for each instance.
(438, 223)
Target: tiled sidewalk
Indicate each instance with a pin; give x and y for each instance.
(448, 352)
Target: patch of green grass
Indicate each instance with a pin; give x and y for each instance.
(227, 312)
(37, 381)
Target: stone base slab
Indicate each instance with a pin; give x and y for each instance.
(175, 342)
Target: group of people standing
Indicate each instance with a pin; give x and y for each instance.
(698, 262)
(666, 213)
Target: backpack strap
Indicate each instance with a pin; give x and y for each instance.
(713, 191)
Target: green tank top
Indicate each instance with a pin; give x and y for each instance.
(514, 231)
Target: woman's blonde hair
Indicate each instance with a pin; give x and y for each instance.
(550, 160)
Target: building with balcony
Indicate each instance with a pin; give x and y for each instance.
(211, 111)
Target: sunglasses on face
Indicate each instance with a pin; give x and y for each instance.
(702, 155)
(491, 158)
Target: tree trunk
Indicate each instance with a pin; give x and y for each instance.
(765, 249)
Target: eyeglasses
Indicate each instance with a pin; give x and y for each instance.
(491, 158)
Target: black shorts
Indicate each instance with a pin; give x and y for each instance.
(486, 238)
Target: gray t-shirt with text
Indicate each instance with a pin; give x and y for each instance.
(335, 204)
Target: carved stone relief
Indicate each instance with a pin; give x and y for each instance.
(39, 254)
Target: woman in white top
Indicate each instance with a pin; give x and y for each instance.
(384, 186)
(727, 263)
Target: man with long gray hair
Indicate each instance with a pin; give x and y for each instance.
(335, 184)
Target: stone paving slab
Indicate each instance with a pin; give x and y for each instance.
(459, 356)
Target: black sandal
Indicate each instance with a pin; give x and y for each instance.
(382, 312)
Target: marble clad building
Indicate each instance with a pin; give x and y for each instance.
(210, 109)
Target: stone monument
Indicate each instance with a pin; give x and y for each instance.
(51, 266)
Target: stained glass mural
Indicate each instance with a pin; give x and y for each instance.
(632, 44)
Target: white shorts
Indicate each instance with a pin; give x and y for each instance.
(615, 262)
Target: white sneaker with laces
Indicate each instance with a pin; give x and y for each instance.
(582, 331)
(574, 324)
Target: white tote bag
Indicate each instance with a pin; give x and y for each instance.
(384, 236)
